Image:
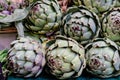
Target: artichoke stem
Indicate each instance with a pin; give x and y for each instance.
(20, 28)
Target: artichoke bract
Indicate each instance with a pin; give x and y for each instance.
(103, 58)
(81, 24)
(44, 17)
(98, 6)
(111, 25)
(26, 57)
(65, 58)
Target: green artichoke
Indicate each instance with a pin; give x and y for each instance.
(111, 25)
(44, 17)
(81, 24)
(97, 6)
(103, 58)
(26, 57)
(65, 58)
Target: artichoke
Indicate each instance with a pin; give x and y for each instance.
(44, 17)
(81, 24)
(103, 58)
(65, 58)
(26, 57)
(111, 25)
(97, 6)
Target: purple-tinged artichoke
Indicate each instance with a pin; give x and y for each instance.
(103, 58)
(111, 25)
(81, 24)
(26, 57)
(65, 58)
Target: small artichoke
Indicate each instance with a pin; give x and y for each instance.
(44, 17)
(81, 24)
(26, 57)
(103, 58)
(65, 58)
(111, 25)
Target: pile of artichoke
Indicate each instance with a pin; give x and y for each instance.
(62, 37)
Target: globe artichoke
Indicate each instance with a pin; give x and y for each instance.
(26, 57)
(103, 58)
(97, 6)
(81, 24)
(111, 25)
(65, 58)
(44, 17)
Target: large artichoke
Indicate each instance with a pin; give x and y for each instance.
(81, 24)
(103, 58)
(44, 17)
(111, 25)
(65, 58)
(26, 57)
